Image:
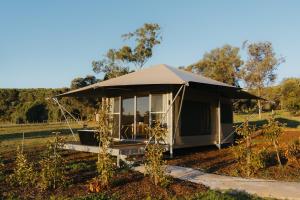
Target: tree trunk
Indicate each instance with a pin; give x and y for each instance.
(248, 150)
(248, 146)
(259, 104)
(277, 153)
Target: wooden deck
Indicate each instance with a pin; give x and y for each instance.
(115, 150)
(122, 150)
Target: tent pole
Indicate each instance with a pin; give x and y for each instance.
(174, 99)
(170, 96)
(178, 117)
(120, 107)
(219, 124)
(170, 106)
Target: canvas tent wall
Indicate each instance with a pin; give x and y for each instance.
(200, 122)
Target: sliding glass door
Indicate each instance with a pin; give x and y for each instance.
(127, 119)
(158, 103)
(142, 117)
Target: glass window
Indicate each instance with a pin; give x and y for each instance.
(142, 117)
(114, 116)
(116, 106)
(156, 103)
(157, 117)
(114, 120)
(127, 125)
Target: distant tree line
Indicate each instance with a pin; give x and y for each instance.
(284, 96)
(34, 105)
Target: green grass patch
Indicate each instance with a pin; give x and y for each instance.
(282, 116)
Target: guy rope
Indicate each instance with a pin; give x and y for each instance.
(64, 111)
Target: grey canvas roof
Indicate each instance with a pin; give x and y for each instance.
(160, 75)
(155, 75)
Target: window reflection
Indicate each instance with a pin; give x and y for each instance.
(156, 103)
(114, 120)
(114, 116)
(142, 117)
(127, 118)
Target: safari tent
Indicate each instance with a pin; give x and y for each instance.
(196, 110)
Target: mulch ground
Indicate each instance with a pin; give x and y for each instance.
(127, 184)
(212, 160)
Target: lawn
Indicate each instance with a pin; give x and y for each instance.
(292, 122)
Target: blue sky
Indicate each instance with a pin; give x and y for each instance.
(48, 43)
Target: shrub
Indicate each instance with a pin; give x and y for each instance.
(249, 162)
(2, 176)
(23, 174)
(292, 152)
(257, 160)
(52, 173)
(154, 163)
(229, 195)
(77, 167)
(99, 196)
(290, 90)
(105, 163)
(273, 130)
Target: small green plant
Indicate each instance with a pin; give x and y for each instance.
(249, 161)
(23, 174)
(273, 130)
(105, 163)
(2, 174)
(99, 196)
(245, 131)
(52, 173)
(228, 195)
(76, 167)
(257, 160)
(2, 177)
(154, 163)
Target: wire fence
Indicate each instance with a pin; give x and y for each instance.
(12, 124)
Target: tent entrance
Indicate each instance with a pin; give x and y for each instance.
(195, 118)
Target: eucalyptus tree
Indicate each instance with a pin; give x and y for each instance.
(259, 69)
(221, 64)
(117, 62)
(146, 38)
